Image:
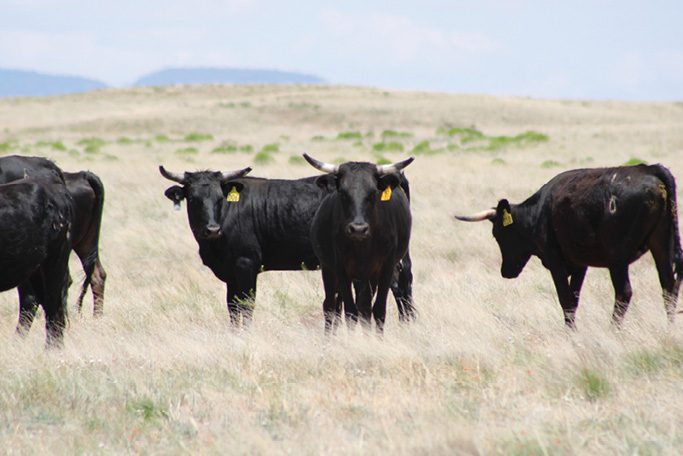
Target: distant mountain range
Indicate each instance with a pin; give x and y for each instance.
(19, 83)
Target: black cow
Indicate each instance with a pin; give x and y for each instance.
(87, 192)
(604, 217)
(246, 225)
(360, 232)
(35, 241)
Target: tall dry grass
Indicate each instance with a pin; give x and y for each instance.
(487, 369)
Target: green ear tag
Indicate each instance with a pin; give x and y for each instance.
(233, 196)
(386, 194)
(507, 218)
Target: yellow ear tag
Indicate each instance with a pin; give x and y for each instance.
(233, 196)
(386, 194)
(507, 218)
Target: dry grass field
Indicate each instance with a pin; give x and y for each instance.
(488, 368)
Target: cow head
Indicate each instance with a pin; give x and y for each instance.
(513, 246)
(360, 187)
(205, 192)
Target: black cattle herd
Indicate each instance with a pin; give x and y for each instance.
(353, 222)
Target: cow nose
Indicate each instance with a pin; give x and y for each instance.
(213, 231)
(358, 230)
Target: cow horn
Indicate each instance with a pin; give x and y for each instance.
(171, 176)
(483, 215)
(322, 166)
(236, 174)
(394, 167)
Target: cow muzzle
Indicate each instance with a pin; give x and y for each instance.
(358, 231)
(211, 232)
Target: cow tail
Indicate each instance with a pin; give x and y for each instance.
(91, 260)
(672, 209)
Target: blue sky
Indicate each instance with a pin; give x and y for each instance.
(579, 49)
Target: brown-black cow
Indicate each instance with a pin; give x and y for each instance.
(602, 217)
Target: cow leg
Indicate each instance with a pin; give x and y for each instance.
(28, 305)
(246, 271)
(568, 300)
(380, 308)
(670, 286)
(99, 276)
(56, 284)
(622, 292)
(402, 289)
(364, 294)
(331, 303)
(233, 308)
(346, 295)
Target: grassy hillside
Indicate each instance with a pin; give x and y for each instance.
(487, 369)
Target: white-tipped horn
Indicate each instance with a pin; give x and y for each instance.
(322, 166)
(236, 174)
(394, 167)
(478, 217)
(171, 176)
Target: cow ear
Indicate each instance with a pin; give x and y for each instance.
(175, 194)
(229, 185)
(327, 182)
(389, 180)
(504, 213)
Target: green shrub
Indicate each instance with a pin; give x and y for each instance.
(550, 164)
(162, 138)
(318, 138)
(498, 162)
(382, 161)
(247, 148)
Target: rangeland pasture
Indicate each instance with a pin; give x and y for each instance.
(487, 369)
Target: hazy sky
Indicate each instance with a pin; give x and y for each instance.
(604, 49)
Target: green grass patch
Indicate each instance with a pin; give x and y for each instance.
(55, 145)
(187, 151)
(263, 158)
(593, 384)
(394, 134)
(8, 145)
(498, 162)
(95, 142)
(350, 135)
(271, 148)
(247, 148)
(422, 148)
(224, 149)
(196, 137)
(162, 138)
(635, 161)
(382, 160)
(148, 410)
(392, 146)
(318, 138)
(296, 160)
(550, 164)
